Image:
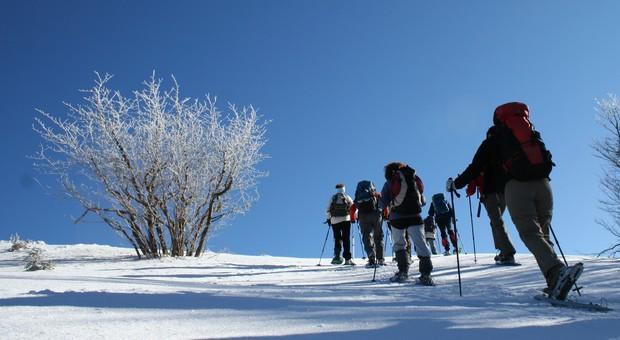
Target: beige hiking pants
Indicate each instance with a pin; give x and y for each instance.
(495, 204)
(530, 205)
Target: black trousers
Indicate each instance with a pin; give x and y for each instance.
(342, 239)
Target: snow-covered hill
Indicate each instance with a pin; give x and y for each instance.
(104, 292)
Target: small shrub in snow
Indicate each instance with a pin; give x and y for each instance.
(17, 243)
(35, 261)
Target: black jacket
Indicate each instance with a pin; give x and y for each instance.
(487, 160)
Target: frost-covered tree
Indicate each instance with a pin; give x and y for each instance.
(608, 149)
(161, 170)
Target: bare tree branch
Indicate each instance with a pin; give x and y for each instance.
(161, 170)
(608, 150)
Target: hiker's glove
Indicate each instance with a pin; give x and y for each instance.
(386, 213)
(450, 185)
(328, 222)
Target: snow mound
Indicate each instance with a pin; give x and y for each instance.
(98, 291)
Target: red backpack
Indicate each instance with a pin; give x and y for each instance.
(524, 155)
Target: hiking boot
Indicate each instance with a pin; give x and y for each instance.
(349, 262)
(426, 280)
(371, 263)
(399, 277)
(381, 262)
(447, 252)
(566, 280)
(337, 260)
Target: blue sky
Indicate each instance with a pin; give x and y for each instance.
(348, 85)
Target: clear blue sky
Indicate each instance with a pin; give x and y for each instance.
(349, 86)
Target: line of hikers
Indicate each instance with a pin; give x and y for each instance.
(510, 170)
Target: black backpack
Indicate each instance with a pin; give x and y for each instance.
(411, 201)
(340, 206)
(366, 197)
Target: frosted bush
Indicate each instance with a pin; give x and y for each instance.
(35, 261)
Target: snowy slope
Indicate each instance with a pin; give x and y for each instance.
(104, 292)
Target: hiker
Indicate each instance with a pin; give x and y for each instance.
(489, 180)
(528, 195)
(339, 219)
(429, 233)
(442, 212)
(402, 194)
(366, 207)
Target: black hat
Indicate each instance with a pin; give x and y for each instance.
(339, 185)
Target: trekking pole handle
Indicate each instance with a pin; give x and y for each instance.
(454, 190)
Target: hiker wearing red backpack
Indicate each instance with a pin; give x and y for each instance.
(486, 175)
(402, 193)
(527, 165)
(339, 219)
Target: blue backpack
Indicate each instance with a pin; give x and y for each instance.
(440, 205)
(365, 197)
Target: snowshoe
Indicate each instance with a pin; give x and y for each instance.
(568, 303)
(447, 253)
(337, 260)
(349, 262)
(568, 276)
(381, 262)
(399, 277)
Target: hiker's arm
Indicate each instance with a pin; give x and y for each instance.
(481, 159)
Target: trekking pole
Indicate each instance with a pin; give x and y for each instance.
(458, 263)
(473, 236)
(352, 240)
(324, 243)
(479, 205)
(458, 239)
(564, 257)
(359, 232)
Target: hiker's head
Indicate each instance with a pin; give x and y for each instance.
(391, 168)
(340, 187)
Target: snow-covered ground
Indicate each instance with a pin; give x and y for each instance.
(104, 292)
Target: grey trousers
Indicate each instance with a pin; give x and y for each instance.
(372, 234)
(495, 204)
(417, 239)
(530, 205)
